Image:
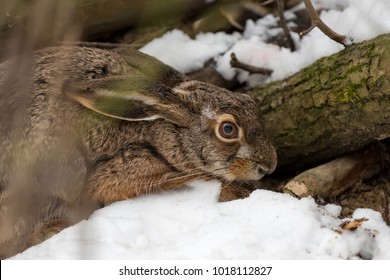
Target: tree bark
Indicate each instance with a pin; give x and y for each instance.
(340, 103)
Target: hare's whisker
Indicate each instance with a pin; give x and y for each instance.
(157, 184)
(224, 186)
(184, 176)
(196, 161)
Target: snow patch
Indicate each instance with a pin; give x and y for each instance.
(190, 224)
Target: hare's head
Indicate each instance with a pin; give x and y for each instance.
(218, 129)
(225, 132)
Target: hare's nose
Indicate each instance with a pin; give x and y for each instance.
(261, 173)
(263, 170)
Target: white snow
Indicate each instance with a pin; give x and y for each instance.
(358, 19)
(189, 223)
(177, 48)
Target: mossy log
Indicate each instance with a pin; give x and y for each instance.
(339, 104)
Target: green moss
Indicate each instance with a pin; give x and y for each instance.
(350, 95)
(353, 93)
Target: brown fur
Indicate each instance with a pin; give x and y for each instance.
(84, 127)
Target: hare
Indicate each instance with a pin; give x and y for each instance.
(84, 127)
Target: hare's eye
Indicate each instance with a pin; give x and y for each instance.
(228, 130)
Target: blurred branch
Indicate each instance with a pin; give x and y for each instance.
(105, 45)
(31, 24)
(283, 24)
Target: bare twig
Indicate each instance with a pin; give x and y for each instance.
(235, 63)
(317, 22)
(283, 24)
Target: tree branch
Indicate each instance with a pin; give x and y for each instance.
(283, 24)
(333, 178)
(317, 22)
(235, 63)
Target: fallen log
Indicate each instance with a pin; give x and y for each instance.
(339, 104)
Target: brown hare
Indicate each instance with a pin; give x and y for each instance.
(83, 127)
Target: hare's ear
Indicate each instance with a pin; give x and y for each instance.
(135, 98)
(152, 67)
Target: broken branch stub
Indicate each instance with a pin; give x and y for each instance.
(333, 178)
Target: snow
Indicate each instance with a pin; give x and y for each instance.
(189, 223)
(358, 19)
(177, 48)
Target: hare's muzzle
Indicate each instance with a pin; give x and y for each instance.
(262, 170)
